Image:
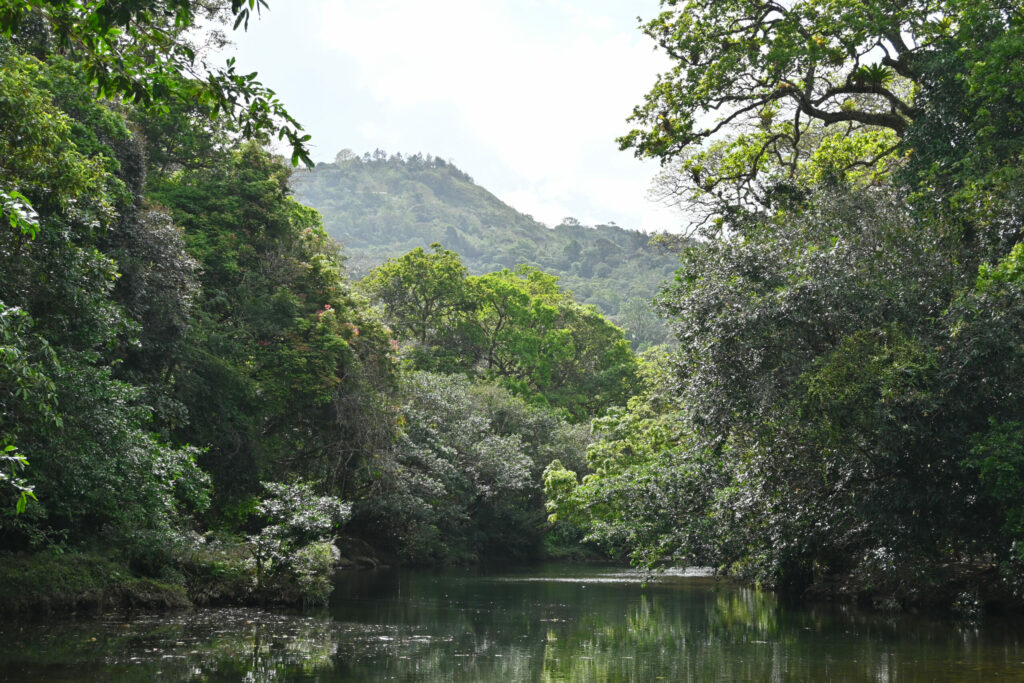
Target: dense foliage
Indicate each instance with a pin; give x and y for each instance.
(110, 330)
(841, 411)
(765, 98)
(95, 466)
(515, 327)
(463, 481)
(283, 368)
(144, 51)
(190, 387)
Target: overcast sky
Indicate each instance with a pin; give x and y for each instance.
(527, 96)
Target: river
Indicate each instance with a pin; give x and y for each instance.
(547, 623)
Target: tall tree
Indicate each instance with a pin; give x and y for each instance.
(97, 470)
(427, 297)
(284, 367)
(517, 327)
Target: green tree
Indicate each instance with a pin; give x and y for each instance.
(764, 96)
(27, 367)
(427, 297)
(549, 349)
(820, 411)
(518, 328)
(284, 368)
(462, 481)
(296, 541)
(965, 144)
(140, 51)
(96, 469)
(643, 327)
(641, 453)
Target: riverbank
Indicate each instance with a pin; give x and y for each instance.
(966, 588)
(72, 581)
(76, 581)
(219, 573)
(79, 581)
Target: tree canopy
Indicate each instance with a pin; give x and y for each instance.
(516, 327)
(141, 51)
(763, 96)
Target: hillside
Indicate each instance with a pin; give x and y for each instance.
(381, 206)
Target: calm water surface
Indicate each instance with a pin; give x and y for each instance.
(552, 623)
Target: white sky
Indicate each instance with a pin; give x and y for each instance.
(526, 96)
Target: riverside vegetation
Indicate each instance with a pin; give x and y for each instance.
(843, 412)
(198, 404)
(196, 401)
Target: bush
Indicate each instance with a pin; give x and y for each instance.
(293, 553)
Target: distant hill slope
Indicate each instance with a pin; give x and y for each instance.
(383, 206)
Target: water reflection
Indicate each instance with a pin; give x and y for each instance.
(552, 624)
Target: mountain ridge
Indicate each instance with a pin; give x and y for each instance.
(380, 206)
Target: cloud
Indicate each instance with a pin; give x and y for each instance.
(543, 86)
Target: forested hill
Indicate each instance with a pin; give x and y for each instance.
(381, 206)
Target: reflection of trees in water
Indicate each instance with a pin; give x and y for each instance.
(596, 648)
(465, 628)
(223, 644)
(744, 614)
(453, 628)
(745, 634)
(654, 638)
